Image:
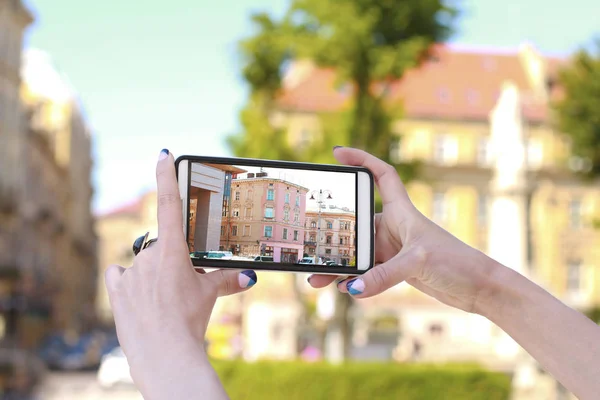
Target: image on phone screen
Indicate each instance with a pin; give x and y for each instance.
(272, 215)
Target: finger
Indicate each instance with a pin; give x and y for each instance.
(386, 177)
(112, 277)
(170, 228)
(320, 281)
(404, 265)
(232, 281)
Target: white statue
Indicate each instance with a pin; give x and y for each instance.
(507, 231)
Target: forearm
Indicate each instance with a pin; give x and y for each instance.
(183, 374)
(564, 341)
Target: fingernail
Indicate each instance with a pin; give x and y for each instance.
(355, 286)
(247, 279)
(308, 279)
(164, 153)
(336, 147)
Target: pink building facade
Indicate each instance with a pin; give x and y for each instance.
(266, 217)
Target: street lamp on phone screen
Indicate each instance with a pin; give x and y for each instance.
(321, 196)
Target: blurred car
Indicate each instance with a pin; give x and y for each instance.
(74, 352)
(311, 260)
(218, 255)
(114, 370)
(263, 259)
(331, 263)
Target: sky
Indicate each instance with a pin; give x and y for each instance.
(165, 74)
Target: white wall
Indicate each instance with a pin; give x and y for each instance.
(213, 180)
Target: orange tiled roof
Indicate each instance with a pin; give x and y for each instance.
(455, 84)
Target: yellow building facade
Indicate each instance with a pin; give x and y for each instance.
(447, 103)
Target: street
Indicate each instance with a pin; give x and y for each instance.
(82, 386)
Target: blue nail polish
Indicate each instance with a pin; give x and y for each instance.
(247, 279)
(355, 286)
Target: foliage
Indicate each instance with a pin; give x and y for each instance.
(369, 43)
(298, 380)
(594, 314)
(577, 111)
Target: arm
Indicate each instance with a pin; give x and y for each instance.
(565, 342)
(171, 365)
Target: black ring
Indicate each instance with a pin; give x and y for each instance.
(140, 243)
(149, 242)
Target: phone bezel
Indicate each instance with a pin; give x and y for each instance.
(286, 267)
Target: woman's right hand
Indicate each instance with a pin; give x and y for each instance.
(411, 248)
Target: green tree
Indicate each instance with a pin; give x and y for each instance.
(577, 111)
(370, 44)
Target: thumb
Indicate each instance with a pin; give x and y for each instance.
(404, 265)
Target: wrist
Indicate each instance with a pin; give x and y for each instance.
(502, 291)
(167, 369)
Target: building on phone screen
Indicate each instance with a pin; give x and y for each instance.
(264, 217)
(337, 234)
(210, 193)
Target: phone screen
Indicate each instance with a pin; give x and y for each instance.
(271, 215)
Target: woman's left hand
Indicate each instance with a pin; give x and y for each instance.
(162, 305)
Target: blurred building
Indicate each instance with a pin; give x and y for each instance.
(337, 234)
(117, 230)
(447, 104)
(14, 19)
(58, 237)
(266, 217)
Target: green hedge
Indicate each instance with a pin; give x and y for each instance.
(368, 381)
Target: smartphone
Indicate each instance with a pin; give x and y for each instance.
(277, 215)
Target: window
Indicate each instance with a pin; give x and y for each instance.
(305, 138)
(445, 149)
(483, 153)
(575, 213)
(472, 96)
(482, 210)
(247, 231)
(236, 212)
(286, 215)
(296, 236)
(234, 230)
(237, 196)
(312, 238)
(296, 216)
(270, 195)
(268, 231)
(248, 212)
(329, 225)
(341, 240)
(313, 224)
(395, 151)
(222, 230)
(438, 214)
(297, 201)
(287, 198)
(328, 240)
(573, 276)
(443, 95)
(534, 153)
(285, 233)
(269, 212)
(327, 251)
